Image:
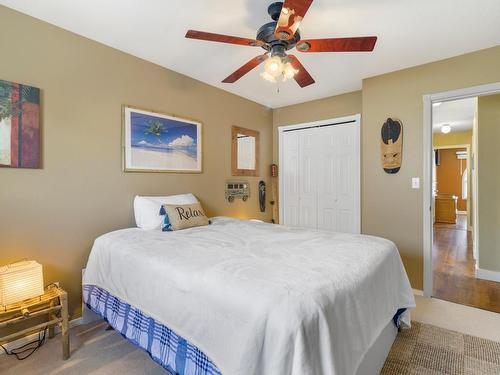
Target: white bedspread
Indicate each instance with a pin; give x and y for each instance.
(259, 298)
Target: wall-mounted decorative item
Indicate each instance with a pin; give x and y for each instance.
(245, 146)
(262, 196)
(237, 189)
(274, 192)
(391, 145)
(19, 125)
(155, 142)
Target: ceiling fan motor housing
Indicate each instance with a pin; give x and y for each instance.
(266, 33)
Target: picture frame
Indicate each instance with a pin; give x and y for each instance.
(250, 150)
(158, 142)
(20, 129)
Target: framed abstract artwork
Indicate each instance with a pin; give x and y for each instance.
(155, 142)
(19, 125)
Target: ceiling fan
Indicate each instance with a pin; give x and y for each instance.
(281, 35)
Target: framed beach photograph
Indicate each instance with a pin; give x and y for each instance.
(155, 142)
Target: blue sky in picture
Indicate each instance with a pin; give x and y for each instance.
(162, 135)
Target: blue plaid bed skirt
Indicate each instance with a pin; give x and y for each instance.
(167, 348)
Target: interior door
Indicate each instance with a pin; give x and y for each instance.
(320, 185)
(290, 179)
(338, 185)
(307, 178)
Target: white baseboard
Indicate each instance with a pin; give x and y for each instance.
(418, 292)
(462, 212)
(488, 275)
(34, 336)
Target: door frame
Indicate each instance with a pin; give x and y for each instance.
(356, 120)
(428, 203)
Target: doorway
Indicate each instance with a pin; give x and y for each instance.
(320, 174)
(452, 198)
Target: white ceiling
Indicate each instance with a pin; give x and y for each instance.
(410, 33)
(459, 114)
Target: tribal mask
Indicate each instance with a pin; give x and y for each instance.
(391, 145)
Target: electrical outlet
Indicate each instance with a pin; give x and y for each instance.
(415, 183)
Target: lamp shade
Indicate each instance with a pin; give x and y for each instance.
(20, 281)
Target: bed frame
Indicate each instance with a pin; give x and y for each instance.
(374, 359)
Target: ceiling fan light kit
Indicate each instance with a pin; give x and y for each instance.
(276, 67)
(278, 37)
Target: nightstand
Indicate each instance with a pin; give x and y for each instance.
(53, 303)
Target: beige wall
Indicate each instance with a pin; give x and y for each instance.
(390, 208)
(53, 214)
(489, 182)
(452, 139)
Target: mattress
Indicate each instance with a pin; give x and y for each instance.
(258, 298)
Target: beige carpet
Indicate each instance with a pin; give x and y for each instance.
(423, 350)
(429, 350)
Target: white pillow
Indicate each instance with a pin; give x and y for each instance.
(147, 209)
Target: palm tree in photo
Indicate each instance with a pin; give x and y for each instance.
(155, 128)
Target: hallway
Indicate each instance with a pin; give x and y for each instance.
(454, 269)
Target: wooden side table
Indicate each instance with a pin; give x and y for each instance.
(53, 303)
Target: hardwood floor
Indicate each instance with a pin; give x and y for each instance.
(454, 269)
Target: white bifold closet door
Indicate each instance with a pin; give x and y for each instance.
(320, 182)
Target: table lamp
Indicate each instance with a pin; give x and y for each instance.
(20, 281)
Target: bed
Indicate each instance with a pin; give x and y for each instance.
(243, 297)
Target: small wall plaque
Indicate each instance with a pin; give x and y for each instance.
(237, 189)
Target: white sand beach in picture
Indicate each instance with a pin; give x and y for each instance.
(174, 159)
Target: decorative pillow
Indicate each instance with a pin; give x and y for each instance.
(146, 208)
(182, 216)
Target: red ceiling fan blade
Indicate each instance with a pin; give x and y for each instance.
(292, 13)
(245, 68)
(194, 34)
(360, 44)
(302, 77)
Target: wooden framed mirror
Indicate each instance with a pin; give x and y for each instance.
(245, 151)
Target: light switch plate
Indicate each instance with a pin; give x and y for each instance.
(415, 183)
